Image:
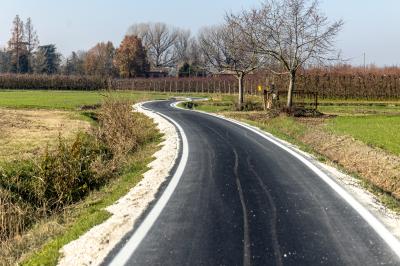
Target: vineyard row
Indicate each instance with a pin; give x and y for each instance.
(340, 86)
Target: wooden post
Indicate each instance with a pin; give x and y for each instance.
(316, 100)
(265, 98)
(224, 86)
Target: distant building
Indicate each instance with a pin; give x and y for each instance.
(226, 73)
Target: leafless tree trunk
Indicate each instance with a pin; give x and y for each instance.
(291, 89)
(226, 52)
(16, 43)
(240, 77)
(32, 41)
(292, 32)
(165, 45)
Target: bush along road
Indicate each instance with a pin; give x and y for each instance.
(245, 200)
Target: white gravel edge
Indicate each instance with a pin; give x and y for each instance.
(353, 186)
(93, 247)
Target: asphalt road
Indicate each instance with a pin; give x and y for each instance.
(244, 201)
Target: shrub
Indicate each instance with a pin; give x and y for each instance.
(66, 174)
(59, 177)
(15, 215)
(248, 105)
(51, 82)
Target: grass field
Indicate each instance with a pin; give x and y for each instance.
(69, 100)
(380, 131)
(25, 133)
(375, 123)
(360, 110)
(348, 137)
(31, 121)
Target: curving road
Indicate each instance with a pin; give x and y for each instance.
(242, 200)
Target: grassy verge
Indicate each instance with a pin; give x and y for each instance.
(380, 128)
(90, 212)
(372, 159)
(61, 192)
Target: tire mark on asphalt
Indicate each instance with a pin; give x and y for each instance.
(246, 233)
(274, 217)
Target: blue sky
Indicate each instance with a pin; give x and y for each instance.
(371, 26)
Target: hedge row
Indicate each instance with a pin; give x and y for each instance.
(327, 85)
(51, 82)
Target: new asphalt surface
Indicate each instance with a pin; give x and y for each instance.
(244, 201)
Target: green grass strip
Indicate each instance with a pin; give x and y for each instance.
(91, 211)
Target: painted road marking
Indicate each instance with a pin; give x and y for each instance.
(134, 241)
(379, 228)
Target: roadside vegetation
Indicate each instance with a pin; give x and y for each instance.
(375, 130)
(60, 191)
(41, 214)
(73, 100)
(26, 133)
(364, 144)
(53, 186)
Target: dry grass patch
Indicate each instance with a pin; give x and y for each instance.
(50, 185)
(24, 133)
(375, 165)
(379, 167)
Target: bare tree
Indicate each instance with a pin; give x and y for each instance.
(75, 63)
(194, 53)
(17, 44)
(164, 44)
(293, 32)
(182, 46)
(141, 30)
(32, 41)
(226, 49)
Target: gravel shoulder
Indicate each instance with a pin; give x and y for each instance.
(93, 247)
(354, 186)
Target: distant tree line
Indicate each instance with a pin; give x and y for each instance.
(282, 36)
(146, 48)
(23, 53)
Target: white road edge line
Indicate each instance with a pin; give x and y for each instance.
(379, 228)
(134, 241)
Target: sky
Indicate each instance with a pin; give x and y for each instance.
(371, 26)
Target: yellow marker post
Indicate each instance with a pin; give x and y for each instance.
(259, 88)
